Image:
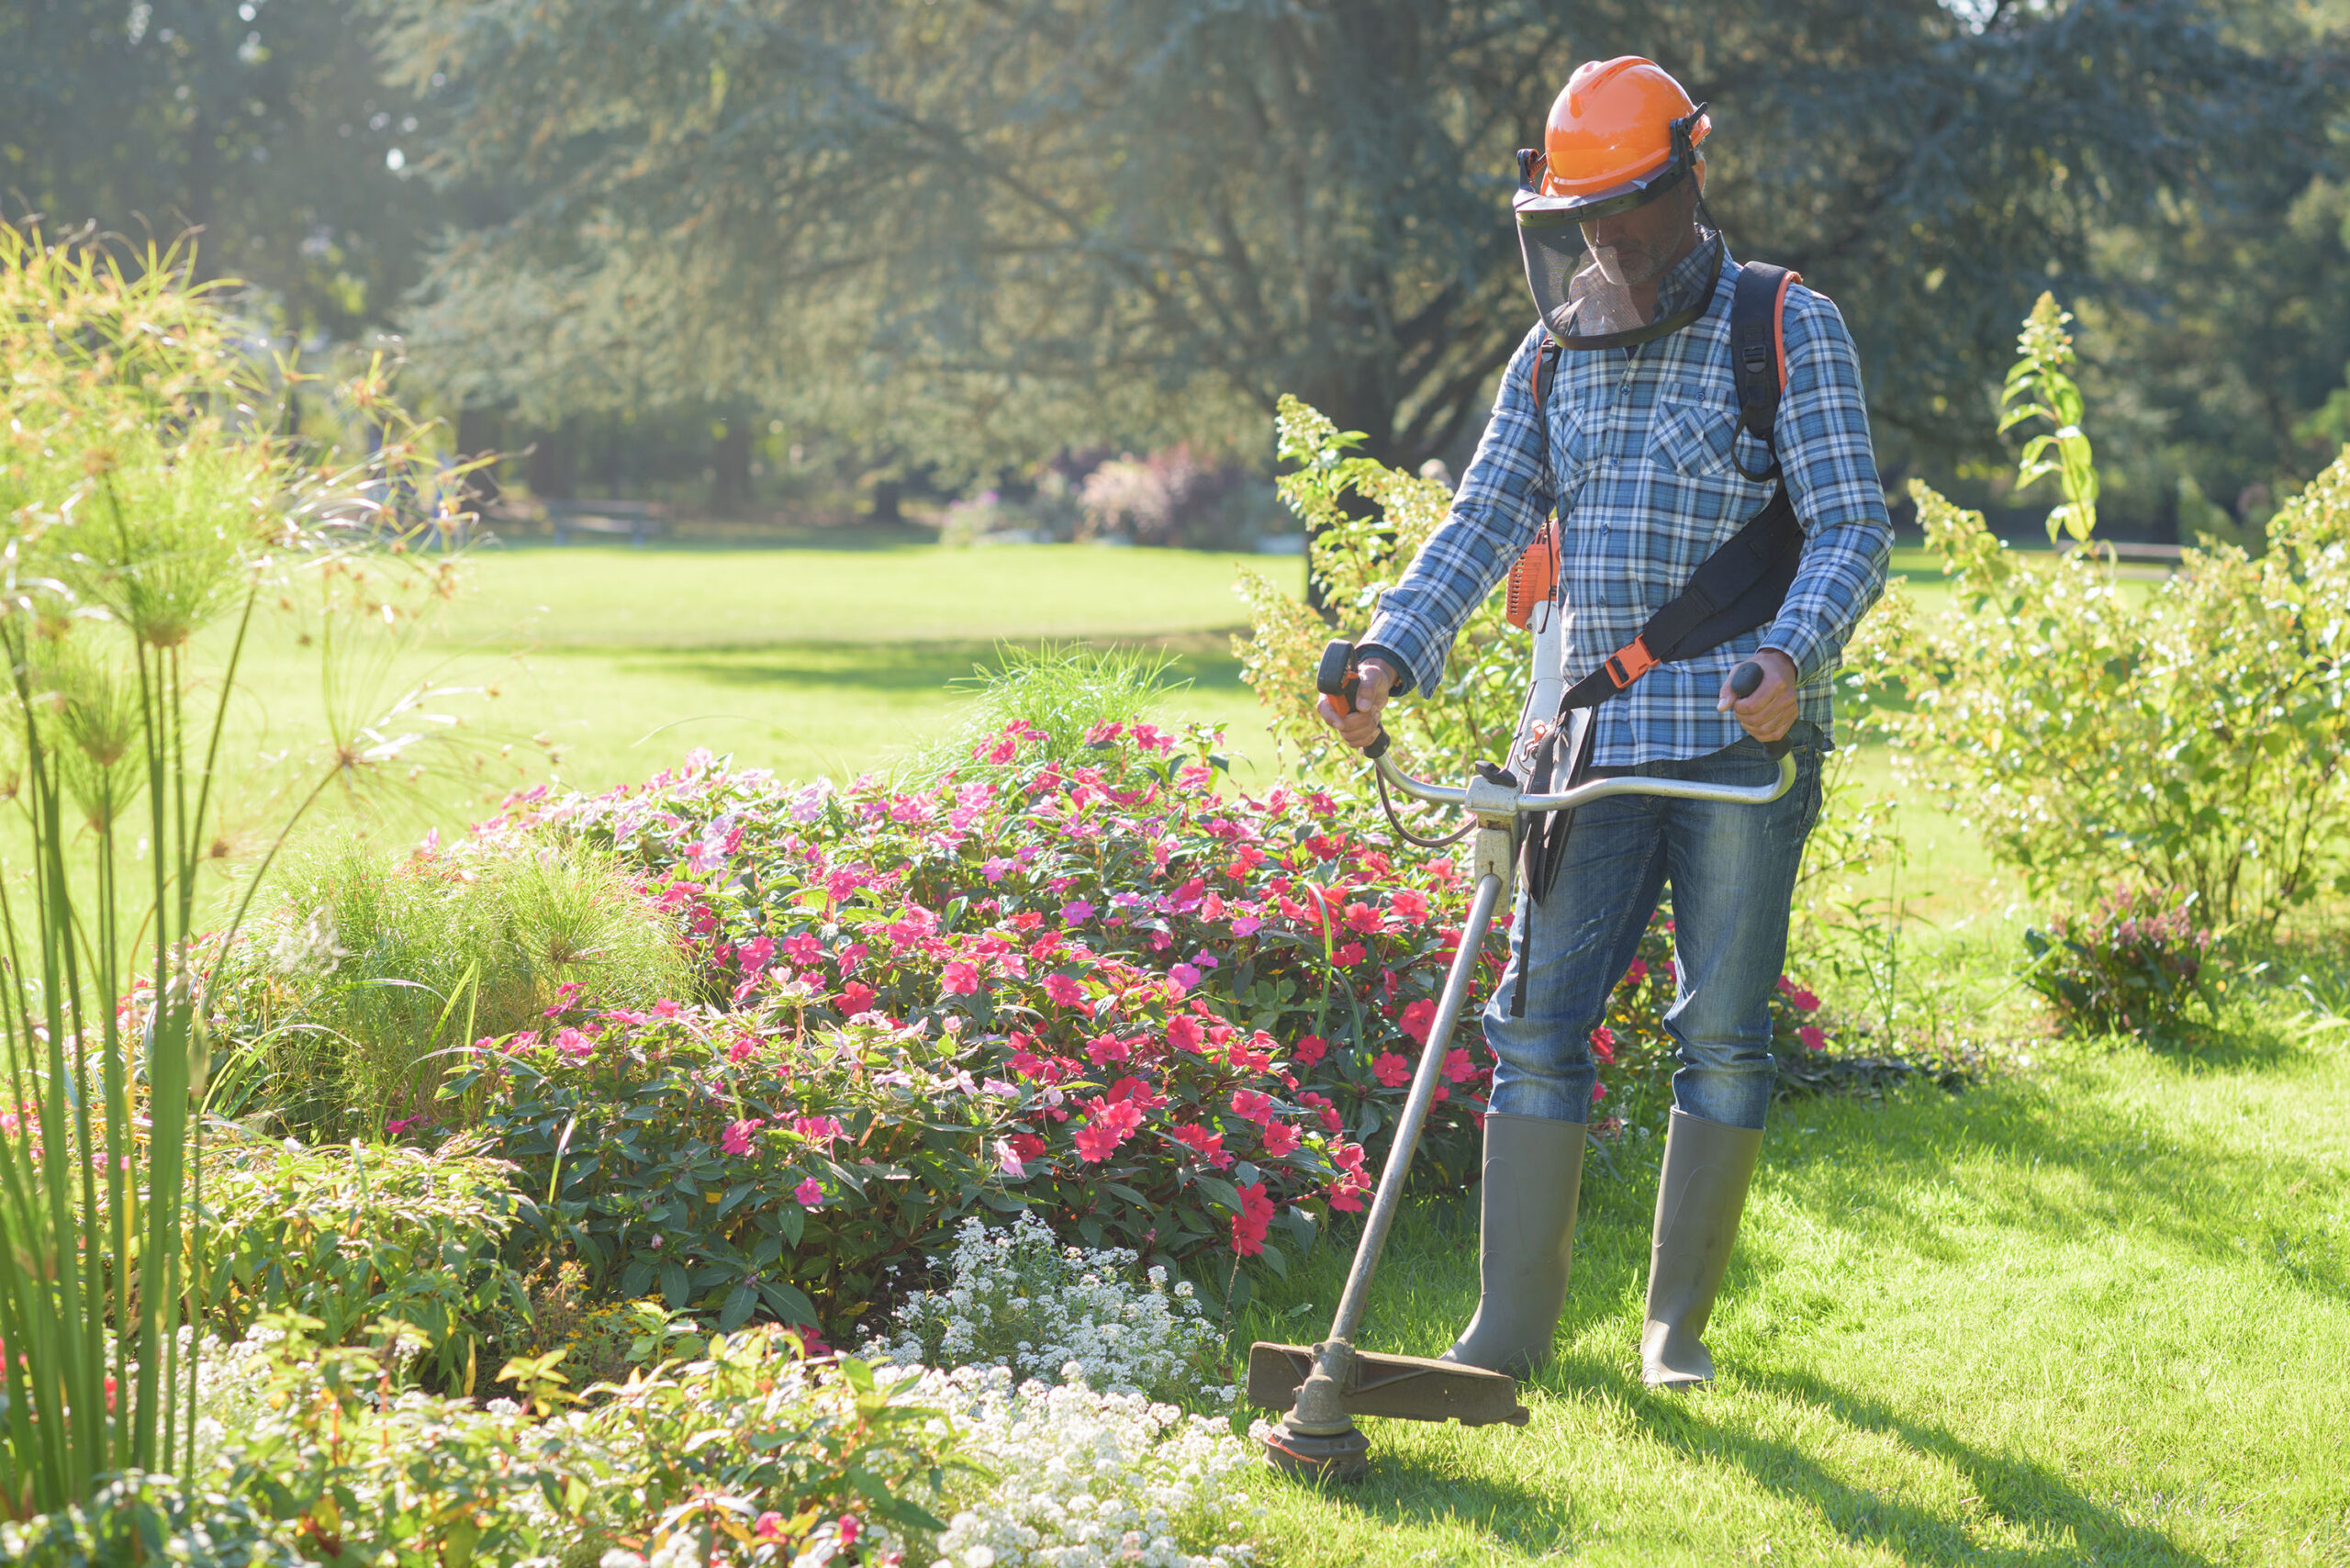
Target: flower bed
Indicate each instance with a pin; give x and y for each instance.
(1164, 1019)
(1191, 1019)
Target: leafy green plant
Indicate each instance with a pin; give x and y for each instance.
(2191, 736)
(731, 1162)
(352, 1238)
(2041, 387)
(371, 968)
(2131, 964)
(145, 500)
(1356, 558)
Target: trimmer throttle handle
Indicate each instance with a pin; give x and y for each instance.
(1338, 679)
(1743, 682)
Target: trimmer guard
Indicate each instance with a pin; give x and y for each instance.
(1410, 1388)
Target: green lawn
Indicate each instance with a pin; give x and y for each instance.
(2094, 1310)
(2097, 1311)
(820, 660)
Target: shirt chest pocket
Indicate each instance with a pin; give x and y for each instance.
(1696, 434)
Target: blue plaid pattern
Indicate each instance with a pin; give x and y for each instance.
(1641, 459)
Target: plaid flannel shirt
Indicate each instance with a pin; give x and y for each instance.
(1638, 450)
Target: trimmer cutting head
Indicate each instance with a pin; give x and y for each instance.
(1410, 1388)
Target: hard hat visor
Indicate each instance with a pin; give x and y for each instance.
(1579, 303)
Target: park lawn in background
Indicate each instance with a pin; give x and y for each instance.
(2096, 1312)
(827, 661)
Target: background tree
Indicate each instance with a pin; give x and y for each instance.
(1000, 225)
(264, 126)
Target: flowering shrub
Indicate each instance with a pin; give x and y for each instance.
(734, 1161)
(1086, 1480)
(350, 1236)
(1192, 1018)
(2131, 964)
(1016, 1298)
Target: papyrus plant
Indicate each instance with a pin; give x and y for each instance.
(148, 509)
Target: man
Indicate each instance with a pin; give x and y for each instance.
(1634, 437)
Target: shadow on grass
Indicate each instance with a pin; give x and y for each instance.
(888, 666)
(2015, 1492)
(2098, 1167)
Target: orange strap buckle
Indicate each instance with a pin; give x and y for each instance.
(1630, 662)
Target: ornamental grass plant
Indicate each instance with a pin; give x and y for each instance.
(365, 971)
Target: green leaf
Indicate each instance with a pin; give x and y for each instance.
(740, 1301)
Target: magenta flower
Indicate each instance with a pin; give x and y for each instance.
(737, 1139)
(1064, 991)
(1077, 912)
(1812, 1037)
(962, 979)
(811, 1193)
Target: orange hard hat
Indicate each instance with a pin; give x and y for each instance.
(1613, 124)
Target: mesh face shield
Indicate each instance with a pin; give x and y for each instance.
(1580, 294)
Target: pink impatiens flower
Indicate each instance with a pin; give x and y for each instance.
(811, 1193)
(1064, 991)
(737, 1139)
(1392, 1070)
(1279, 1139)
(1408, 904)
(1812, 1037)
(961, 979)
(1255, 1107)
(1250, 1225)
(1417, 1019)
(1077, 912)
(1309, 1050)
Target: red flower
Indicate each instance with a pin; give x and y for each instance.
(1417, 1019)
(1603, 1044)
(1408, 905)
(1309, 1050)
(1108, 1123)
(1183, 1033)
(1206, 1148)
(1280, 1139)
(1363, 918)
(1064, 991)
(1250, 1225)
(1106, 1048)
(1348, 956)
(962, 979)
(1812, 1037)
(1457, 1067)
(1638, 972)
(855, 998)
(1253, 1106)
(1345, 1194)
(1392, 1070)
(1028, 1146)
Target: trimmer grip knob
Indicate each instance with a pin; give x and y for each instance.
(1336, 679)
(1744, 681)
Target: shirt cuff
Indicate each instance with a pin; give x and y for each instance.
(1805, 647)
(1396, 661)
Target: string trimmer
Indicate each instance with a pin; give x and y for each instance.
(1324, 1387)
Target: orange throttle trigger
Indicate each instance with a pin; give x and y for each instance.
(1338, 679)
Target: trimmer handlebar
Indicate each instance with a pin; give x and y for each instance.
(1338, 679)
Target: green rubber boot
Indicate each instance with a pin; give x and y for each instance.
(1698, 1201)
(1533, 1173)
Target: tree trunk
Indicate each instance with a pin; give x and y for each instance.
(730, 464)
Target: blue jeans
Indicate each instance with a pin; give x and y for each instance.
(1733, 874)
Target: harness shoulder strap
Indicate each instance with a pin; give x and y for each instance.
(1546, 370)
(1758, 345)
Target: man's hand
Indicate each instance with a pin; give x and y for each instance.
(1376, 679)
(1771, 709)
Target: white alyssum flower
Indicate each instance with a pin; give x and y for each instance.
(1017, 1299)
(1087, 1479)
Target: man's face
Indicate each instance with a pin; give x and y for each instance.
(1649, 239)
